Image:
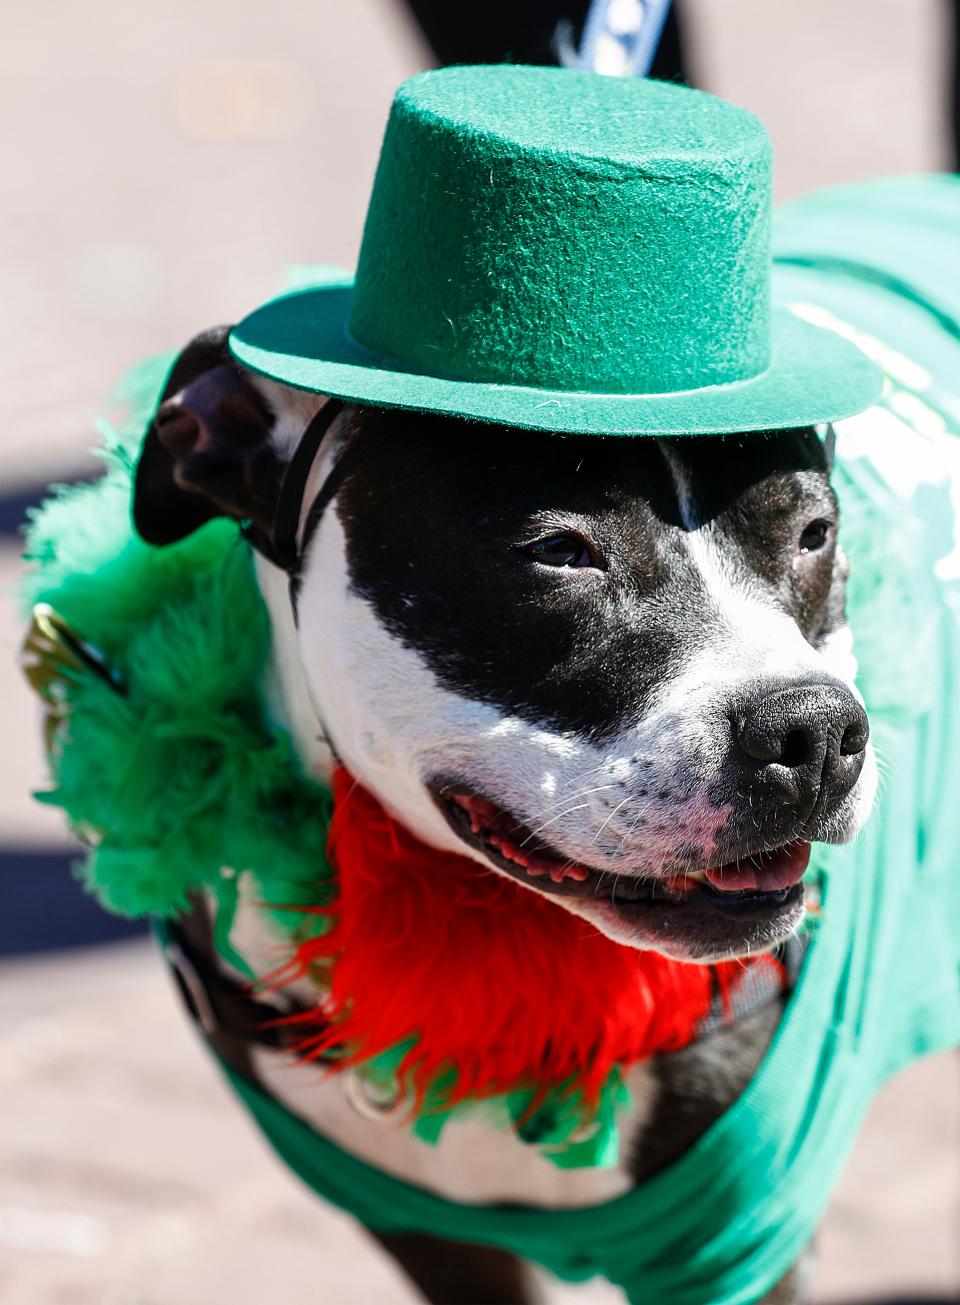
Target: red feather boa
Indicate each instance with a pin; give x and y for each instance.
(480, 974)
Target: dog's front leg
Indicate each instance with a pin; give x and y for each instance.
(457, 1273)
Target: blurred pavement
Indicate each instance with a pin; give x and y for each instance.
(162, 165)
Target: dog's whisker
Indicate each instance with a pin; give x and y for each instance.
(620, 805)
(570, 797)
(582, 777)
(619, 852)
(546, 824)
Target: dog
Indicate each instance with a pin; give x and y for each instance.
(633, 653)
(609, 682)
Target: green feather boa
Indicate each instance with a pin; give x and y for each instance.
(180, 777)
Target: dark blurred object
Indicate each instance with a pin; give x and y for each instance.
(15, 505)
(525, 31)
(45, 908)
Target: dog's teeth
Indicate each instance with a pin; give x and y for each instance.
(578, 872)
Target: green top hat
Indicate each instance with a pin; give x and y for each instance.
(563, 251)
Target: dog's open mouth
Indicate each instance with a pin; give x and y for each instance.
(763, 884)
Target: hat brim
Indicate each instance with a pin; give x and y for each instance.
(302, 340)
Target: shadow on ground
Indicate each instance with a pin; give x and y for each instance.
(47, 909)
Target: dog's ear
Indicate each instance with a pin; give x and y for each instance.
(207, 451)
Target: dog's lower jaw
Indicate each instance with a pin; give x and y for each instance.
(672, 940)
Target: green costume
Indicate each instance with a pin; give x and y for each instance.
(881, 983)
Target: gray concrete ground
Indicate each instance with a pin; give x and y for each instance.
(162, 163)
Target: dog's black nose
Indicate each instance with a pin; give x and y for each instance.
(804, 744)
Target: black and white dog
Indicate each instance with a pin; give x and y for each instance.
(632, 652)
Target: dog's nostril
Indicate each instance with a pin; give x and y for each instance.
(801, 726)
(177, 428)
(854, 738)
(796, 749)
(776, 743)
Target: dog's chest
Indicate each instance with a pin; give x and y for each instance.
(474, 1160)
(477, 1159)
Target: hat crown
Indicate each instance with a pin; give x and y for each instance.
(563, 230)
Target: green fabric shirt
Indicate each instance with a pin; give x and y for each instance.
(881, 982)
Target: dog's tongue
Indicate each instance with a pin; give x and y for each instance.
(762, 874)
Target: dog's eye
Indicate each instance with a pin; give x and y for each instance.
(566, 549)
(814, 536)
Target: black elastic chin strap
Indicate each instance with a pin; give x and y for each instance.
(284, 549)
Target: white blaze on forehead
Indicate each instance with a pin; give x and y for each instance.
(746, 635)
